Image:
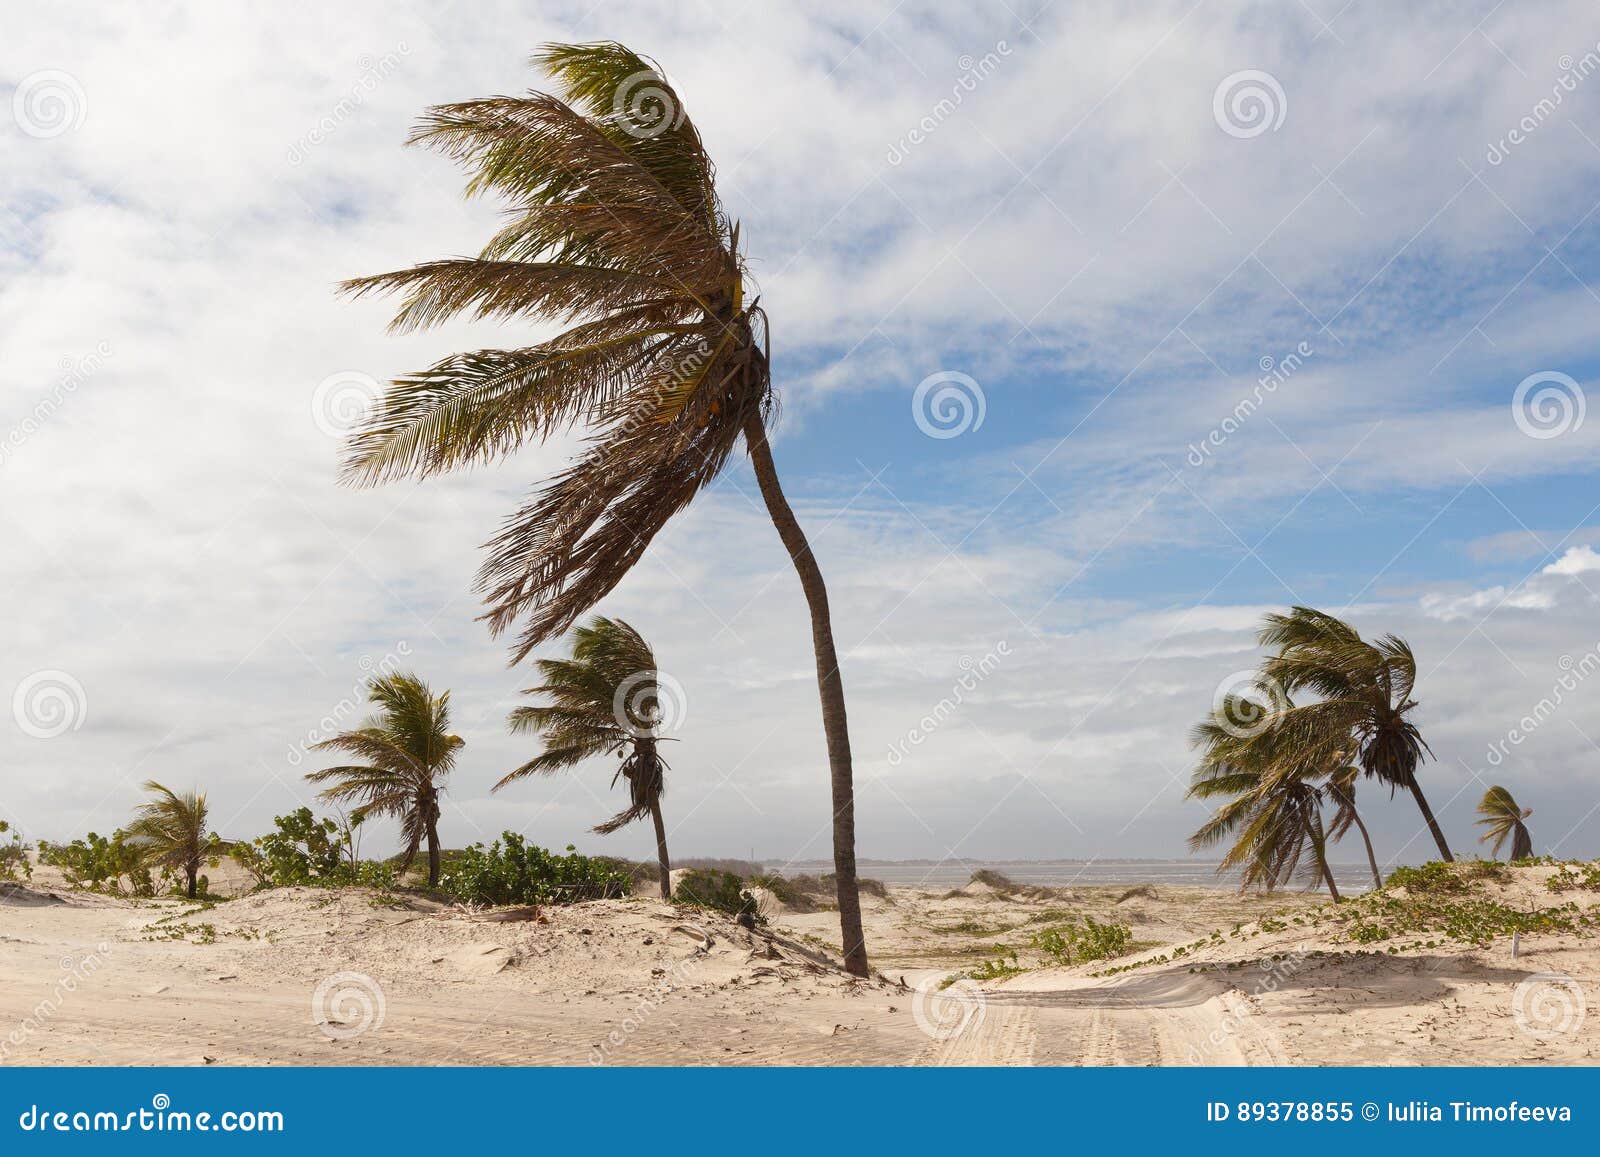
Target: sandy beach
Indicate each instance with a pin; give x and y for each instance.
(311, 976)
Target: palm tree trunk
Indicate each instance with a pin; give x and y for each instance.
(433, 853)
(829, 686)
(1319, 844)
(661, 850)
(1427, 815)
(1372, 860)
(192, 881)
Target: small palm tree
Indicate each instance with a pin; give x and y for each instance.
(614, 230)
(170, 832)
(1342, 791)
(1364, 695)
(605, 700)
(1273, 809)
(1503, 819)
(408, 751)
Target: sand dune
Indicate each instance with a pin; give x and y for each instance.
(313, 976)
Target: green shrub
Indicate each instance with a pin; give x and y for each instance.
(1570, 876)
(303, 850)
(1435, 877)
(100, 864)
(510, 871)
(1000, 966)
(1068, 944)
(792, 894)
(14, 864)
(717, 890)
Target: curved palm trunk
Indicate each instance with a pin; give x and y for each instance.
(1372, 860)
(433, 853)
(661, 850)
(829, 686)
(1319, 844)
(1427, 816)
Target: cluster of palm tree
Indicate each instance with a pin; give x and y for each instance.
(603, 701)
(614, 229)
(1354, 720)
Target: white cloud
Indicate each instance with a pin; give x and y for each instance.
(1578, 560)
(176, 542)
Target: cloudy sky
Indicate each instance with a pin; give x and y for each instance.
(1225, 307)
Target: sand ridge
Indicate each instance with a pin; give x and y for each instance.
(319, 976)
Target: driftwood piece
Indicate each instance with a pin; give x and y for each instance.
(698, 933)
(512, 915)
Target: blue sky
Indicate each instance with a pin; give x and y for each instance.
(1061, 208)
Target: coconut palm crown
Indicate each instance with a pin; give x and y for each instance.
(1363, 700)
(170, 832)
(407, 751)
(603, 701)
(1272, 804)
(1503, 818)
(614, 232)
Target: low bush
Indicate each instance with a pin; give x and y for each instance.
(999, 881)
(14, 863)
(1435, 878)
(100, 864)
(1068, 944)
(1000, 966)
(717, 890)
(303, 850)
(1570, 876)
(511, 871)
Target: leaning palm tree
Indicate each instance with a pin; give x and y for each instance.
(1503, 819)
(1272, 809)
(1364, 697)
(605, 700)
(170, 832)
(615, 230)
(408, 750)
(1342, 791)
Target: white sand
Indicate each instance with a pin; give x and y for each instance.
(297, 976)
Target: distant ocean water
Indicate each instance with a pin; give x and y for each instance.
(1352, 878)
